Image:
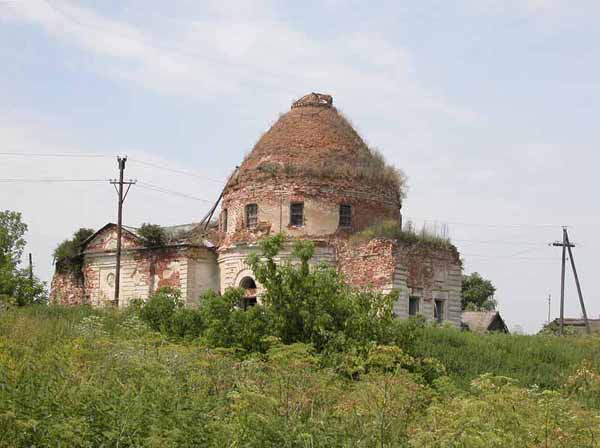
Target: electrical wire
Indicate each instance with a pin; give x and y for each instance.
(52, 180)
(175, 170)
(42, 154)
(458, 223)
(157, 188)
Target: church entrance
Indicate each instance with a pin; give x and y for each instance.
(249, 298)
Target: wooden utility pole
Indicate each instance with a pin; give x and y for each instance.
(549, 306)
(579, 293)
(566, 246)
(30, 270)
(121, 198)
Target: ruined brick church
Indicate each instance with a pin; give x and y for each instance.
(309, 176)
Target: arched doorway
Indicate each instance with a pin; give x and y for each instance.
(249, 298)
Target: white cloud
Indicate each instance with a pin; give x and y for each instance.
(236, 46)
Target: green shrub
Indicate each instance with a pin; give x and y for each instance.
(186, 323)
(67, 255)
(152, 235)
(226, 325)
(160, 308)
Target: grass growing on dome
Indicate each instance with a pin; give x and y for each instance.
(390, 229)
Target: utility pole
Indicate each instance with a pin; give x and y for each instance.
(579, 293)
(121, 199)
(566, 246)
(549, 306)
(30, 270)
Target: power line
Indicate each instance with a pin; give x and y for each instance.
(51, 180)
(175, 170)
(514, 243)
(43, 154)
(172, 192)
(440, 221)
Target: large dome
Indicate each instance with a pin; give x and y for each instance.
(312, 133)
(310, 175)
(314, 139)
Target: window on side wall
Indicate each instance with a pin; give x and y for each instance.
(345, 216)
(224, 220)
(438, 311)
(251, 215)
(297, 214)
(413, 305)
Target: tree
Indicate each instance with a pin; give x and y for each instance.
(477, 293)
(16, 286)
(152, 235)
(312, 304)
(67, 255)
(12, 243)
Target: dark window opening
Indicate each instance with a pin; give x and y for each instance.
(249, 298)
(251, 215)
(345, 216)
(413, 305)
(438, 311)
(297, 214)
(224, 220)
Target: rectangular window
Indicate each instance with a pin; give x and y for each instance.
(297, 214)
(251, 215)
(224, 220)
(438, 311)
(345, 216)
(413, 306)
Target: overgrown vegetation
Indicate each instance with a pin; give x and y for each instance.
(67, 255)
(317, 364)
(152, 235)
(79, 377)
(391, 229)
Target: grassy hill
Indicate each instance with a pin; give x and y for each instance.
(81, 377)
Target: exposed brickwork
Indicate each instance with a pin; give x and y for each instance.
(67, 289)
(420, 270)
(143, 271)
(370, 265)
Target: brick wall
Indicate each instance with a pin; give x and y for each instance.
(321, 207)
(67, 289)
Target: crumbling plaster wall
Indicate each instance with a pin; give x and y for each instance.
(203, 273)
(143, 271)
(428, 272)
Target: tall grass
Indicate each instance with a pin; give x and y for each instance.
(409, 234)
(77, 377)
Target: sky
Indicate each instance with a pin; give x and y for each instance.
(489, 107)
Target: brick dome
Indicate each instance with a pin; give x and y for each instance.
(311, 164)
(314, 139)
(312, 134)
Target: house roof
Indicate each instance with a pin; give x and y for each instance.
(578, 322)
(481, 320)
(176, 235)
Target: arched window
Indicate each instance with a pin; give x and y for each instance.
(249, 286)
